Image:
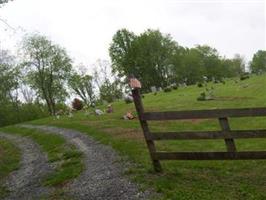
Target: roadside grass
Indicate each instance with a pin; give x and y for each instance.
(65, 157)
(9, 161)
(185, 179)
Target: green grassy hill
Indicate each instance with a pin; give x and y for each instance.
(185, 179)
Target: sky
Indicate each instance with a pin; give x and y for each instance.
(86, 27)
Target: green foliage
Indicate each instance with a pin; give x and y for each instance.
(145, 56)
(110, 91)
(244, 76)
(258, 63)
(11, 113)
(121, 52)
(174, 87)
(157, 60)
(8, 76)
(48, 67)
(200, 84)
(167, 89)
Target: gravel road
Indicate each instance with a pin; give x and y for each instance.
(103, 177)
(25, 183)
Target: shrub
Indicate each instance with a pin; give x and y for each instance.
(202, 97)
(77, 104)
(244, 76)
(167, 89)
(174, 87)
(200, 84)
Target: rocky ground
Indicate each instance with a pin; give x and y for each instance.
(102, 177)
(25, 183)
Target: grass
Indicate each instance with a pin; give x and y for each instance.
(185, 179)
(66, 158)
(9, 161)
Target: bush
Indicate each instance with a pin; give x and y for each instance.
(202, 97)
(174, 87)
(200, 84)
(77, 104)
(167, 89)
(244, 76)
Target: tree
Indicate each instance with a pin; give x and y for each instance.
(258, 63)
(192, 69)
(82, 85)
(121, 53)
(110, 91)
(211, 61)
(145, 56)
(238, 65)
(8, 77)
(49, 68)
(109, 85)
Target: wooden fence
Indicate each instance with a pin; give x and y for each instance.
(225, 133)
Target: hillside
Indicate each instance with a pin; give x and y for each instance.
(184, 179)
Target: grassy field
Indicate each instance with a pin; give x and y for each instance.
(185, 179)
(66, 158)
(9, 161)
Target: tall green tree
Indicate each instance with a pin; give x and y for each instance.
(121, 52)
(192, 69)
(49, 68)
(146, 56)
(211, 61)
(258, 63)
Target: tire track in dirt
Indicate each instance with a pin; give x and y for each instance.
(102, 177)
(25, 183)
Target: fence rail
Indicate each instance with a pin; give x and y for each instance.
(204, 114)
(225, 133)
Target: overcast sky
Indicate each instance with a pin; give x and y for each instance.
(85, 27)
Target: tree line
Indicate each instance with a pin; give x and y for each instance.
(157, 60)
(37, 82)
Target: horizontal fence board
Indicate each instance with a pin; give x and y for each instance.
(194, 135)
(244, 155)
(204, 114)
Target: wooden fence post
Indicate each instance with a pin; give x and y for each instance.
(230, 144)
(151, 146)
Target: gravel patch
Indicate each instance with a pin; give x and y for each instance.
(103, 177)
(25, 183)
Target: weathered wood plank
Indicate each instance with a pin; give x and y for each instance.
(230, 144)
(244, 155)
(144, 125)
(193, 135)
(204, 114)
